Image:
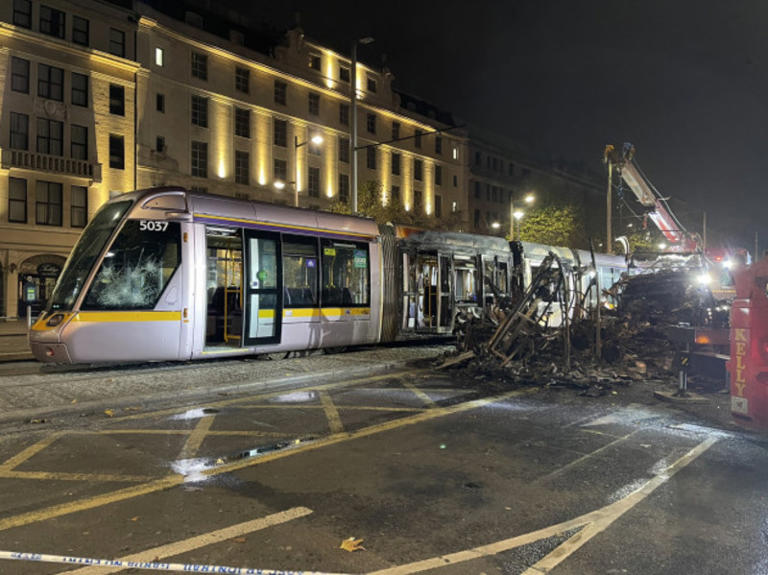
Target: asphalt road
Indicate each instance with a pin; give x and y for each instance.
(436, 472)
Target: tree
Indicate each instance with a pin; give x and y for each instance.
(554, 225)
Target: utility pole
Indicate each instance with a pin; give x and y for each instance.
(353, 126)
(608, 238)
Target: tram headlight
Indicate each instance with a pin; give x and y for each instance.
(55, 320)
(704, 279)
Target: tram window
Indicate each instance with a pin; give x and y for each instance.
(345, 274)
(501, 281)
(299, 271)
(137, 266)
(466, 288)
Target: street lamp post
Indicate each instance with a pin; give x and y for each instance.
(316, 139)
(517, 214)
(353, 123)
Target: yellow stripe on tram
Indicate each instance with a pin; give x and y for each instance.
(127, 316)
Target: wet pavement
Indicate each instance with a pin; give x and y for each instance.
(435, 472)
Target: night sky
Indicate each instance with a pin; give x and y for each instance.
(686, 82)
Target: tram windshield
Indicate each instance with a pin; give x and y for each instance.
(85, 255)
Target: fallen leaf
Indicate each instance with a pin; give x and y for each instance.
(136, 518)
(239, 539)
(109, 412)
(74, 401)
(351, 544)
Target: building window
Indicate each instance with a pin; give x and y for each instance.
(116, 152)
(394, 195)
(438, 145)
(22, 13)
(19, 131)
(477, 219)
(370, 158)
(344, 150)
(48, 203)
(79, 89)
(344, 114)
(418, 169)
(199, 66)
(200, 159)
(241, 168)
(80, 31)
(280, 170)
(78, 216)
(511, 169)
(438, 206)
(396, 164)
(344, 188)
(477, 189)
(50, 82)
(160, 102)
(314, 104)
(478, 159)
(117, 42)
(78, 140)
(159, 57)
(395, 130)
(199, 111)
(370, 123)
(418, 201)
(281, 91)
(438, 175)
(315, 61)
(371, 84)
(455, 153)
(343, 73)
(20, 75)
(51, 21)
(116, 100)
(455, 181)
(160, 144)
(417, 138)
(242, 123)
(17, 200)
(50, 137)
(280, 133)
(313, 188)
(242, 80)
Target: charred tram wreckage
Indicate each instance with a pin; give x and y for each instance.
(167, 274)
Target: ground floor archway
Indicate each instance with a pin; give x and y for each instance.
(37, 278)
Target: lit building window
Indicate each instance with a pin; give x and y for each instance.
(159, 57)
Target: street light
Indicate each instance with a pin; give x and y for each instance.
(316, 139)
(517, 214)
(353, 124)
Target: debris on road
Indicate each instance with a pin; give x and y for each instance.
(351, 544)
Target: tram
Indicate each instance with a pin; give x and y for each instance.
(167, 274)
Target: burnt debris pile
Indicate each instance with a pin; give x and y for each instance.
(550, 336)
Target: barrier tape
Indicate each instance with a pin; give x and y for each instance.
(151, 565)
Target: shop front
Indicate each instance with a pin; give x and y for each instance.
(36, 280)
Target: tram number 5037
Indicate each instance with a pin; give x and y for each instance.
(152, 226)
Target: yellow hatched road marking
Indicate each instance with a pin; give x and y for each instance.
(63, 476)
(30, 451)
(233, 432)
(347, 407)
(196, 438)
(187, 545)
(176, 480)
(334, 421)
(419, 393)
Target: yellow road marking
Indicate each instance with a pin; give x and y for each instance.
(596, 521)
(233, 432)
(64, 476)
(195, 440)
(193, 543)
(227, 402)
(346, 407)
(334, 421)
(30, 451)
(426, 400)
(175, 480)
(586, 456)
(90, 502)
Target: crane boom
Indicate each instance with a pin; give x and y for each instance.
(623, 161)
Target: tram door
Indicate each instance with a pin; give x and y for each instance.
(445, 313)
(263, 288)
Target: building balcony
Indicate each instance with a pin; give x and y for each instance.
(53, 164)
